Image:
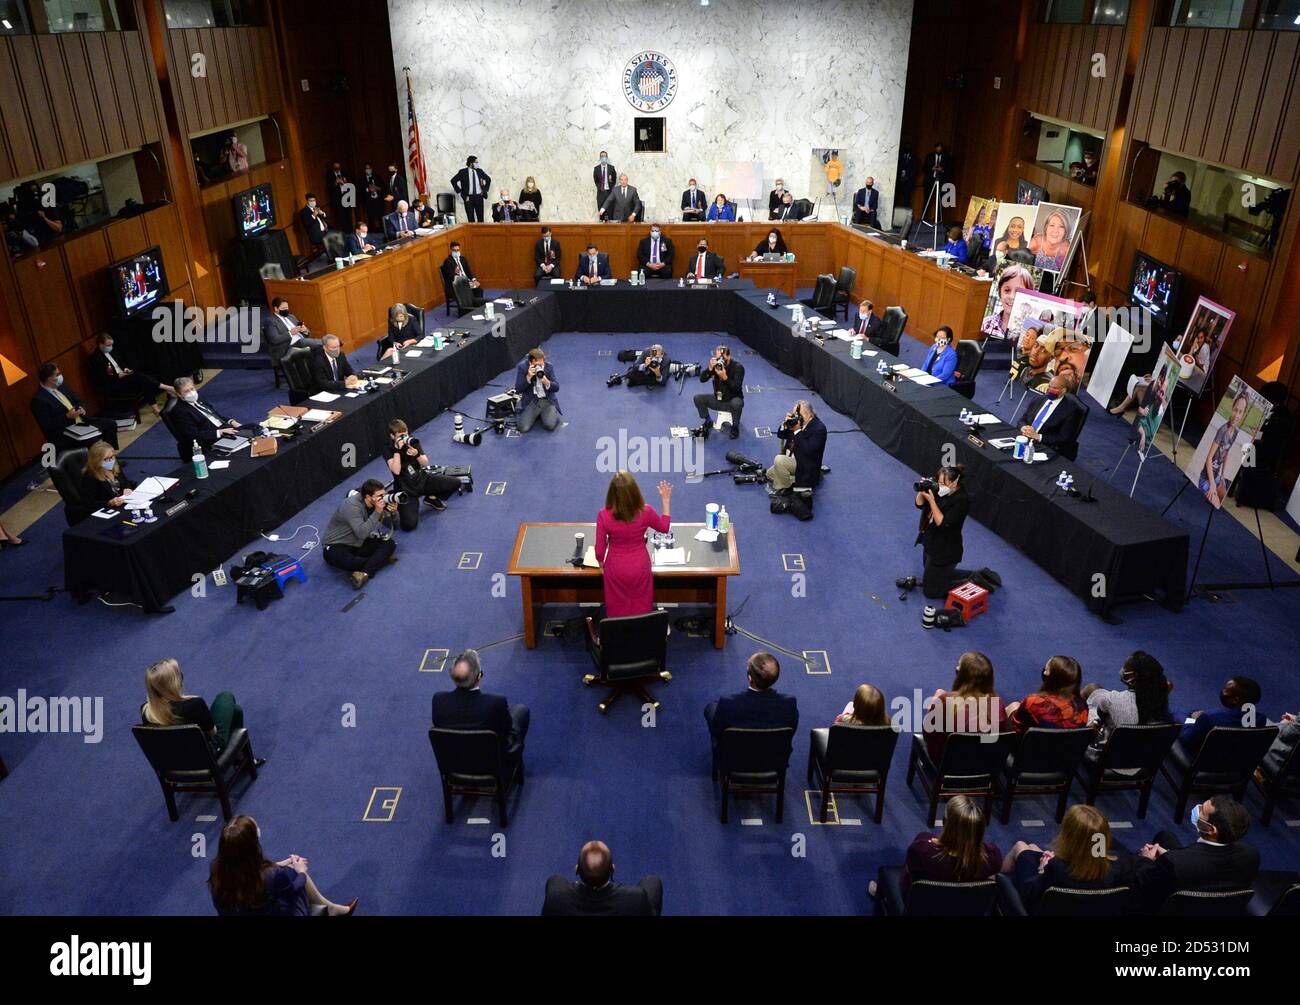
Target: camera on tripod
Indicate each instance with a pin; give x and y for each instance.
(925, 485)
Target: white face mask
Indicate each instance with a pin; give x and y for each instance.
(945, 490)
(108, 348)
(190, 396)
(654, 233)
(456, 255)
(312, 204)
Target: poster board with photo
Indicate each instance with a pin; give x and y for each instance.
(1054, 228)
(1014, 228)
(1155, 402)
(981, 219)
(1115, 348)
(1237, 420)
(1048, 332)
(1201, 343)
(1012, 276)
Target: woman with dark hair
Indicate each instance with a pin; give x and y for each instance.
(1055, 705)
(959, 854)
(772, 244)
(971, 705)
(866, 709)
(1013, 237)
(944, 506)
(620, 545)
(1143, 702)
(1080, 858)
(244, 882)
(956, 246)
(721, 209)
(402, 332)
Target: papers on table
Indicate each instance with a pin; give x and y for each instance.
(503, 300)
(986, 419)
(105, 514)
(1003, 442)
(150, 489)
(352, 394)
(280, 422)
(843, 336)
(608, 282)
(557, 282)
(1039, 455)
(317, 415)
(425, 343)
(670, 556)
(924, 378)
(414, 352)
(707, 536)
(324, 397)
(478, 317)
(383, 380)
(868, 352)
(589, 558)
(219, 465)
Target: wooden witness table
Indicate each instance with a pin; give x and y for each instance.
(770, 275)
(540, 560)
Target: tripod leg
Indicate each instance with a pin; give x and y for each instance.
(1191, 586)
(1268, 571)
(1176, 494)
(1127, 447)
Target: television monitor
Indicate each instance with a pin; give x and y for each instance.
(254, 210)
(1155, 286)
(1029, 194)
(138, 282)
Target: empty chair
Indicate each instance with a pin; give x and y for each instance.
(66, 476)
(893, 323)
(753, 762)
(1064, 902)
(1277, 895)
(902, 219)
(182, 759)
(628, 652)
(1228, 757)
(1206, 904)
(823, 298)
(1129, 759)
(851, 759)
(930, 898)
(970, 766)
(446, 204)
(970, 357)
(1044, 763)
(297, 371)
(464, 296)
(472, 763)
(336, 245)
(843, 291)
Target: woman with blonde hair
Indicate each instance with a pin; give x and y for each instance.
(530, 193)
(1080, 858)
(1051, 242)
(168, 705)
(620, 545)
(958, 854)
(866, 709)
(403, 331)
(102, 481)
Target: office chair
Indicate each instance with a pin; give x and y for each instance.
(445, 203)
(628, 652)
(893, 323)
(843, 295)
(66, 476)
(970, 357)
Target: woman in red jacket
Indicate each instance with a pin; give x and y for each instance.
(620, 545)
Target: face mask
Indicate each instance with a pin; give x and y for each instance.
(455, 254)
(703, 249)
(654, 233)
(190, 396)
(771, 242)
(1196, 819)
(604, 160)
(362, 237)
(312, 204)
(780, 188)
(108, 348)
(109, 464)
(58, 381)
(944, 490)
(332, 353)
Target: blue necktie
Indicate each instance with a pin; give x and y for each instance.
(1041, 417)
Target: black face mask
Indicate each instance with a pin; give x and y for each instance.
(703, 250)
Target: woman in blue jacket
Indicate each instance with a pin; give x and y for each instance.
(941, 360)
(721, 209)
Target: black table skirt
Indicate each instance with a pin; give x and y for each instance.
(1105, 552)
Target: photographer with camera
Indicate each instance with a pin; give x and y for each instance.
(650, 368)
(412, 477)
(944, 506)
(803, 441)
(359, 537)
(728, 376)
(535, 381)
(1176, 197)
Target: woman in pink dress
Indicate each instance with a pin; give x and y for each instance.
(620, 545)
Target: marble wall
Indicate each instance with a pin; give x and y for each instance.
(534, 87)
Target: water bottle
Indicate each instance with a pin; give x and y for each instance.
(855, 348)
(1062, 478)
(724, 521)
(437, 341)
(640, 278)
(397, 354)
(711, 516)
(200, 462)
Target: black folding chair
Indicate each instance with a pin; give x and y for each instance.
(182, 758)
(970, 766)
(1284, 784)
(1064, 902)
(472, 763)
(1129, 759)
(851, 759)
(931, 898)
(753, 762)
(1044, 763)
(1225, 763)
(1206, 904)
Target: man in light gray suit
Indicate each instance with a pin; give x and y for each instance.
(622, 203)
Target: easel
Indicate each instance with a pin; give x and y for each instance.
(934, 194)
(1142, 459)
(1061, 281)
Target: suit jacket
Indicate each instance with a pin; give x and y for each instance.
(449, 268)
(665, 252)
(1058, 432)
(395, 185)
(755, 710)
(869, 328)
(101, 371)
(314, 225)
(872, 200)
(323, 377)
(354, 244)
(568, 899)
(460, 182)
(808, 448)
(1199, 866)
(700, 205)
(190, 424)
(726, 213)
(712, 264)
(395, 223)
(50, 414)
(944, 366)
(334, 186)
(604, 173)
(539, 256)
(584, 266)
(619, 206)
(499, 213)
(930, 161)
(461, 709)
(276, 336)
(525, 388)
(784, 212)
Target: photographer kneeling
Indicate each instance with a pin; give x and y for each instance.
(357, 539)
(412, 477)
(803, 441)
(728, 376)
(650, 368)
(944, 506)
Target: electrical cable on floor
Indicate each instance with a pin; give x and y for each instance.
(772, 645)
(499, 642)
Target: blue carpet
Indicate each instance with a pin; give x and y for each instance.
(84, 828)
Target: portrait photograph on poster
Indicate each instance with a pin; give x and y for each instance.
(1221, 452)
(1013, 276)
(981, 218)
(1164, 378)
(1047, 332)
(1053, 231)
(1012, 232)
(1207, 330)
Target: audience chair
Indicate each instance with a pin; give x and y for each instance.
(1228, 757)
(628, 652)
(1064, 902)
(1206, 904)
(66, 476)
(753, 762)
(1129, 759)
(851, 759)
(1286, 783)
(931, 898)
(471, 763)
(843, 292)
(1277, 895)
(1044, 763)
(970, 766)
(182, 758)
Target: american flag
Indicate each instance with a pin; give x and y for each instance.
(415, 155)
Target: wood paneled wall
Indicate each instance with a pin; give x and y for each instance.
(72, 98)
(1057, 77)
(240, 81)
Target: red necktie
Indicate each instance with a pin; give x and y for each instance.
(699, 267)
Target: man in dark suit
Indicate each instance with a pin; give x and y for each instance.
(799, 465)
(194, 420)
(775, 198)
(757, 707)
(592, 267)
(400, 225)
(1238, 707)
(596, 893)
(314, 225)
(868, 325)
(694, 204)
(546, 256)
(115, 380)
(471, 184)
(505, 209)
(281, 331)
(655, 253)
(456, 264)
(786, 211)
(704, 264)
(359, 242)
(866, 201)
(622, 203)
(395, 188)
(330, 369)
(1218, 861)
(603, 176)
(1056, 423)
(56, 407)
(937, 168)
(338, 185)
(372, 194)
(468, 707)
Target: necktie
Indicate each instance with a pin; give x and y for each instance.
(63, 399)
(473, 182)
(207, 413)
(593, 266)
(862, 326)
(113, 363)
(699, 267)
(505, 208)
(1042, 415)
(459, 270)
(547, 254)
(334, 367)
(654, 251)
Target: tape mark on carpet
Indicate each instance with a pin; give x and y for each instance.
(752, 822)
